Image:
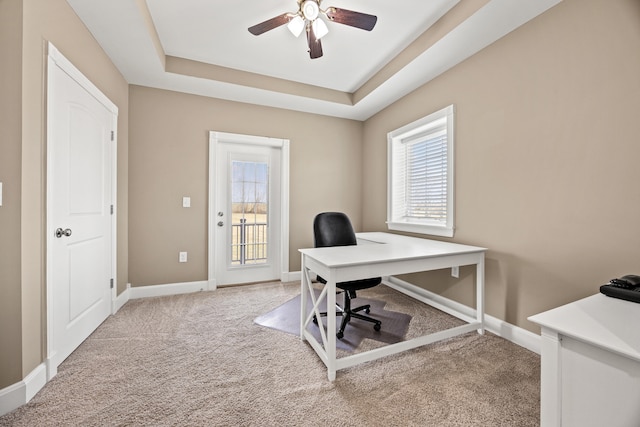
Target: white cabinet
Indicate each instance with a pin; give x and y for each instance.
(590, 363)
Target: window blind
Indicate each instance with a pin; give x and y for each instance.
(426, 195)
(420, 169)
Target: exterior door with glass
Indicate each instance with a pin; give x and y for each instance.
(247, 217)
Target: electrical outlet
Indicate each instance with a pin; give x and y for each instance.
(182, 257)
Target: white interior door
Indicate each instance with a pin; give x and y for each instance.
(80, 222)
(247, 210)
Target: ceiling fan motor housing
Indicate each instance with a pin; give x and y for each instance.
(310, 9)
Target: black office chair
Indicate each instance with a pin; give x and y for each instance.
(335, 229)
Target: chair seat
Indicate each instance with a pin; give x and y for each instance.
(355, 285)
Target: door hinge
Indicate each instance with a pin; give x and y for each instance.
(113, 136)
(111, 283)
(111, 209)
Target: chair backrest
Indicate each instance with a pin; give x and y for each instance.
(333, 229)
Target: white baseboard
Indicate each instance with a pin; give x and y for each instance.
(168, 289)
(35, 381)
(121, 299)
(12, 397)
(18, 394)
(291, 276)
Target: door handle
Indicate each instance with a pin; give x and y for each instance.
(60, 232)
(220, 223)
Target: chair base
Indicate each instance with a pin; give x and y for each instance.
(347, 313)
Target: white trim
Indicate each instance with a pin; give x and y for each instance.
(55, 55)
(168, 289)
(114, 215)
(122, 299)
(177, 289)
(284, 208)
(291, 276)
(20, 393)
(432, 230)
(237, 138)
(211, 244)
(283, 145)
(35, 381)
(12, 397)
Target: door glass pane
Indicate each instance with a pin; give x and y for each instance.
(249, 208)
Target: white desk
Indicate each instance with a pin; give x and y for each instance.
(380, 254)
(590, 360)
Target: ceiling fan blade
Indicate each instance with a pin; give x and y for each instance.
(315, 45)
(270, 24)
(355, 19)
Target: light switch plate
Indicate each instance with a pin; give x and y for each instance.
(186, 202)
(0, 194)
(182, 257)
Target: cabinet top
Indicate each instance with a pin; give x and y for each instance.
(610, 323)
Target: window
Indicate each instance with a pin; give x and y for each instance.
(420, 175)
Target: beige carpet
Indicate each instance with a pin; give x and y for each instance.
(200, 360)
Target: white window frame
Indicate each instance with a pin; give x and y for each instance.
(396, 175)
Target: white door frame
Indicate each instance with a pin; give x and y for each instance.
(283, 144)
(55, 58)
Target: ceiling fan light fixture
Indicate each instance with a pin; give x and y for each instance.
(310, 10)
(308, 18)
(319, 28)
(296, 25)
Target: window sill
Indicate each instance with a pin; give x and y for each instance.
(421, 229)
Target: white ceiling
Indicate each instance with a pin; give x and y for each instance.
(140, 35)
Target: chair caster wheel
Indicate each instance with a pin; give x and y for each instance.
(367, 311)
(377, 326)
(339, 335)
(315, 320)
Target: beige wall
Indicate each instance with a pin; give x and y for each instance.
(547, 147)
(168, 155)
(10, 140)
(42, 21)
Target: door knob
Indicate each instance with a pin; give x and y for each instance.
(220, 223)
(60, 232)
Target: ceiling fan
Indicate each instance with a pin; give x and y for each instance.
(308, 17)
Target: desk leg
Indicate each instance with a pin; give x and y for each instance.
(480, 294)
(304, 288)
(331, 327)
